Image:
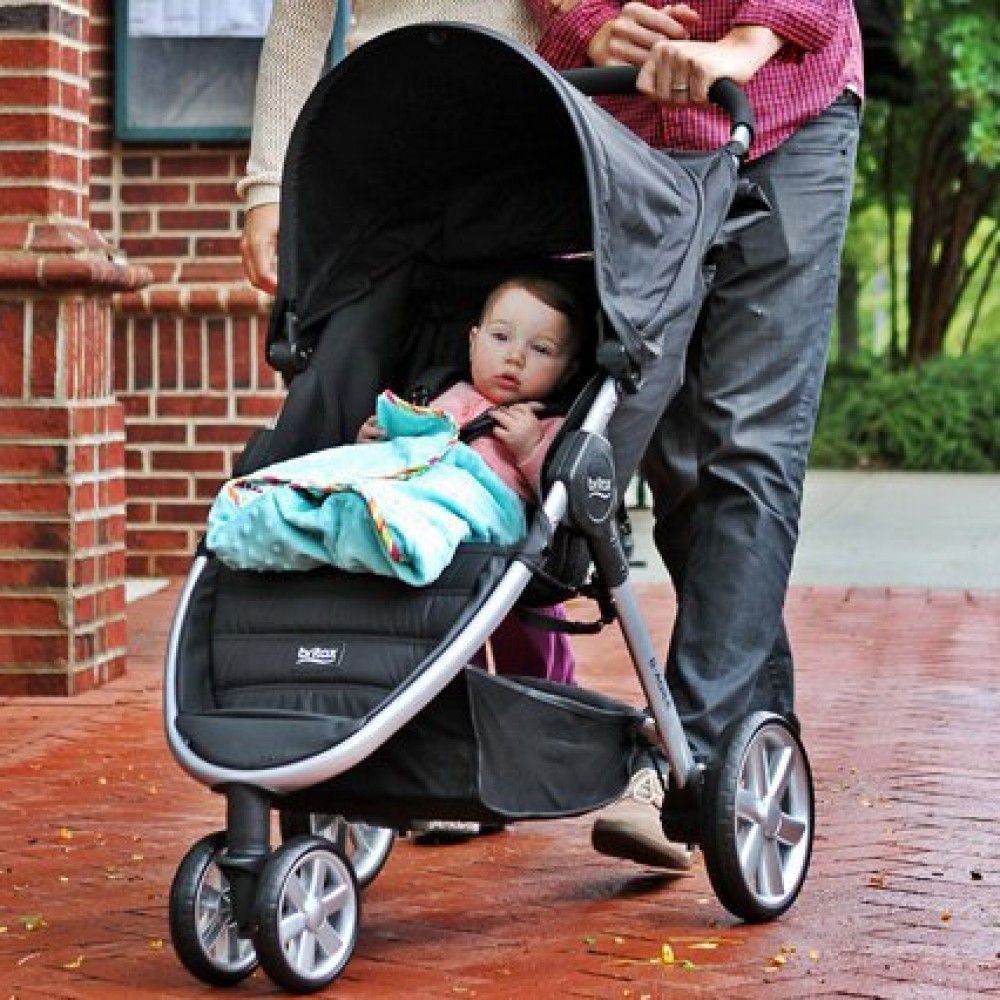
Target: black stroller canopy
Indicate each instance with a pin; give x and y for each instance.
(453, 144)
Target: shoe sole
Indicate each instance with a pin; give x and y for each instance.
(619, 841)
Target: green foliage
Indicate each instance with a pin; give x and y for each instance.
(942, 416)
(954, 45)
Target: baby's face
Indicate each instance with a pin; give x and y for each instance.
(521, 350)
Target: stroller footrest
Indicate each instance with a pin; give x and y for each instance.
(247, 741)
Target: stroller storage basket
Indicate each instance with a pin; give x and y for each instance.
(465, 756)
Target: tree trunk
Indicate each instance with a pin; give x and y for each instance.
(889, 178)
(951, 197)
(847, 311)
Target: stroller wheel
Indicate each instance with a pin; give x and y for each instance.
(307, 914)
(366, 846)
(202, 924)
(758, 818)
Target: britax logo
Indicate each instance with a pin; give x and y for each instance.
(319, 656)
(599, 486)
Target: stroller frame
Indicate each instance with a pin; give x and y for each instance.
(235, 903)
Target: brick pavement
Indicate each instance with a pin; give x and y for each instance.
(899, 695)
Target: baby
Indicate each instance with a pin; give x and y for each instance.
(524, 349)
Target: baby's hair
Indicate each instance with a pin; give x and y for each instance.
(554, 294)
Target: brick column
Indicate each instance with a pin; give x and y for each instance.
(62, 515)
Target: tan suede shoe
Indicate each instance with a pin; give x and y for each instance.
(630, 828)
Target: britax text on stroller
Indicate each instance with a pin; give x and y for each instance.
(433, 161)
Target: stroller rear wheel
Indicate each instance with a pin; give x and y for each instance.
(202, 923)
(758, 818)
(308, 908)
(366, 846)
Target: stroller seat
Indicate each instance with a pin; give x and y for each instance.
(280, 667)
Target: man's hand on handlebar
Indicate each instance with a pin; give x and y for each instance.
(681, 72)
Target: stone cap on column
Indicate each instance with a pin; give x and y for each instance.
(64, 255)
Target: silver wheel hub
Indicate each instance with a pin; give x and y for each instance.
(773, 815)
(216, 923)
(317, 914)
(364, 844)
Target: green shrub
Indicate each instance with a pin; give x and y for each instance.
(943, 416)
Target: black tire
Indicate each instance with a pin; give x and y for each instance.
(365, 845)
(327, 906)
(202, 926)
(758, 818)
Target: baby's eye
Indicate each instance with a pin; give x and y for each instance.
(501, 336)
(546, 349)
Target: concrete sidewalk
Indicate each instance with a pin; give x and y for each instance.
(899, 696)
(884, 529)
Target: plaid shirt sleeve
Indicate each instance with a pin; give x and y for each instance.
(808, 24)
(567, 33)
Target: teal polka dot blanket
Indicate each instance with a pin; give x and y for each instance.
(398, 508)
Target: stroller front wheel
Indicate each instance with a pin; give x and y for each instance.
(308, 908)
(202, 922)
(365, 845)
(758, 818)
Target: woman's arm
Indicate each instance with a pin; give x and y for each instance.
(290, 64)
(568, 26)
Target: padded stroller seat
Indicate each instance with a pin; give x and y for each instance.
(313, 652)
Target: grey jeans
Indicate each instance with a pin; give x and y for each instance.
(727, 461)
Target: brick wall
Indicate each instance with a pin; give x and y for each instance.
(62, 489)
(188, 350)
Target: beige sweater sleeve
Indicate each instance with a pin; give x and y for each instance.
(291, 61)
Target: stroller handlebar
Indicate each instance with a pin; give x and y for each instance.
(608, 81)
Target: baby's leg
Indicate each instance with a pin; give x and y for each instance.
(521, 650)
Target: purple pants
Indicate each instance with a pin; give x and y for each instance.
(520, 650)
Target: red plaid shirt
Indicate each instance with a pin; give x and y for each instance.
(820, 59)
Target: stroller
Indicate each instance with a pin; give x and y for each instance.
(432, 162)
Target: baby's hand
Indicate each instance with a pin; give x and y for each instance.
(371, 431)
(518, 429)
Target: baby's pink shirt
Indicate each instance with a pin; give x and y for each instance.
(464, 402)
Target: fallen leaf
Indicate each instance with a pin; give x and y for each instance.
(813, 955)
(946, 916)
(137, 857)
(64, 879)
(688, 965)
(876, 881)
(3, 929)
(704, 945)
(102, 781)
(27, 958)
(619, 940)
(778, 960)
(75, 964)
(788, 949)
(590, 939)
(33, 922)
(666, 954)
(156, 944)
(65, 833)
